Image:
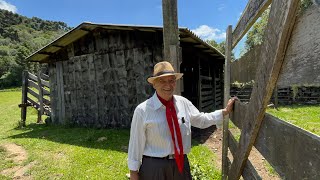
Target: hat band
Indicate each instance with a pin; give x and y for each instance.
(163, 72)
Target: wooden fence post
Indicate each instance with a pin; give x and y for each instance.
(171, 49)
(24, 98)
(40, 110)
(278, 31)
(227, 66)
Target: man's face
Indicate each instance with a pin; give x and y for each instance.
(165, 86)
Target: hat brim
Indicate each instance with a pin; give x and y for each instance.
(178, 76)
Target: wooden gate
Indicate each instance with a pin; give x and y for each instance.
(38, 88)
(293, 152)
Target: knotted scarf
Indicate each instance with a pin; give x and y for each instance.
(174, 127)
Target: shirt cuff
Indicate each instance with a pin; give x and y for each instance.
(218, 117)
(134, 165)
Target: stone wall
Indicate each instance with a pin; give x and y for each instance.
(302, 59)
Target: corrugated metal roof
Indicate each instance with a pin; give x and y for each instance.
(76, 33)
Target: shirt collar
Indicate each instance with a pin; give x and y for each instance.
(157, 103)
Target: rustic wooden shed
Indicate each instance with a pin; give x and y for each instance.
(98, 72)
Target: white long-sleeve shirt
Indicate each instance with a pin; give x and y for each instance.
(150, 134)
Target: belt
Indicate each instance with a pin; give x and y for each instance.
(170, 156)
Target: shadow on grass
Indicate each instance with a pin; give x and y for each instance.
(112, 139)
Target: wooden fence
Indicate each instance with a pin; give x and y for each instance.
(293, 152)
(283, 95)
(38, 87)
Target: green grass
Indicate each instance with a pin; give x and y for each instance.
(304, 116)
(75, 153)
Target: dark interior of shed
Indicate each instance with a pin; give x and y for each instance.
(202, 80)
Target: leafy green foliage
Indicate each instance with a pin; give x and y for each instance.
(202, 163)
(19, 37)
(255, 36)
(219, 46)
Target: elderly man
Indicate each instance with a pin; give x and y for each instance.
(160, 134)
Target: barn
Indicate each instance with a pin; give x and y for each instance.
(98, 72)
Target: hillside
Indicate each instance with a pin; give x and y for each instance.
(19, 37)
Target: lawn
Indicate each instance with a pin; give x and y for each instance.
(304, 116)
(76, 153)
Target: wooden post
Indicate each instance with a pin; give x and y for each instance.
(227, 69)
(171, 49)
(278, 32)
(24, 98)
(40, 110)
(275, 95)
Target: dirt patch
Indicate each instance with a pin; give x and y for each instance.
(18, 155)
(214, 142)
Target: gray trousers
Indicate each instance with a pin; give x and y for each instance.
(163, 169)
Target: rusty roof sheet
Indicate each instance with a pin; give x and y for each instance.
(186, 35)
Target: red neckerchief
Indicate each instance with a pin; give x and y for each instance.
(173, 124)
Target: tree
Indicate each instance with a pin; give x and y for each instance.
(256, 34)
(220, 46)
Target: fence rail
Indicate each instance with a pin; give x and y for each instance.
(292, 151)
(34, 90)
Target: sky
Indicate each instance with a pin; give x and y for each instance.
(209, 19)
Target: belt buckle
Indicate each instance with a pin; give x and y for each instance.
(171, 156)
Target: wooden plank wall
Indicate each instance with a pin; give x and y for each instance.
(105, 78)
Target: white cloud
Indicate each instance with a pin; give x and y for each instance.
(8, 6)
(221, 7)
(208, 33)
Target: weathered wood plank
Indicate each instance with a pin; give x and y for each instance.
(206, 98)
(60, 89)
(34, 104)
(205, 93)
(30, 91)
(32, 77)
(225, 168)
(45, 83)
(33, 84)
(252, 12)
(45, 77)
(293, 152)
(249, 171)
(208, 103)
(53, 91)
(205, 77)
(40, 98)
(46, 101)
(171, 36)
(24, 97)
(45, 92)
(94, 90)
(238, 114)
(279, 28)
(206, 86)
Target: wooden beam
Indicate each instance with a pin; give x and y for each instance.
(252, 12)
(32, 77)
(171, 37)
(24, 98)
(225, 143)
(249, 171)
(40, 111)
(279, 28)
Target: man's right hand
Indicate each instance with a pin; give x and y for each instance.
(134, 175)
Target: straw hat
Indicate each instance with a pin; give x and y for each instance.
(161, 69)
